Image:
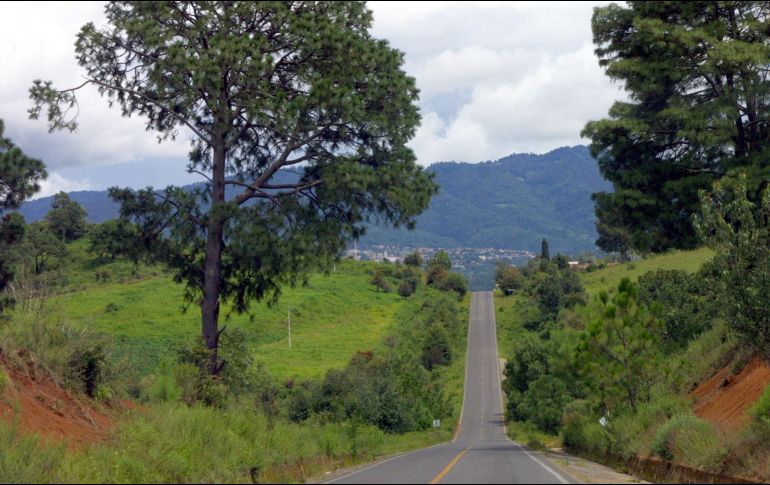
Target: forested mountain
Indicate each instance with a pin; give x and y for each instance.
(513, 202)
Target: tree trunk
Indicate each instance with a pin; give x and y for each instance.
(212, 271)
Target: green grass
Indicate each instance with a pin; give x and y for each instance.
(609, 278)
(332, 317)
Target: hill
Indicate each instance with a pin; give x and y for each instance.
(513, 203)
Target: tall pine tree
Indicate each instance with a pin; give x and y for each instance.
(699, 99)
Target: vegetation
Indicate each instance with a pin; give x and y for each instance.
(279, 414)
(696, 111)
(20, 178)
(339, 105)
(66, 219)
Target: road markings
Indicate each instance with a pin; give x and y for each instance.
(556, 474)
(451, 465)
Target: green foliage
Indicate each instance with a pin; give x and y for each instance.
(686, 438)
(761, 409)
(114, 238)
(436, 347)
(337, 102)
(440, 260)
(24, 459)
(40, 248)
(454, 282)
(739, 231)
(66, 219)
(413, 259)
(407, 287)
(4, 380)
(665, 144)
(676, 298)
(619, 354)
(545, 253)
(508, 278)
(20, 178)
(379, 281)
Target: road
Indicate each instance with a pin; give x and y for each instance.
(481, 452)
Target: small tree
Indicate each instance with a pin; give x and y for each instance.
(67, 218)
(619, 353)
(441, 260)
(407, 287)
(454, 282)
(413, 259)
(508, 278)
(115, 238)
(41, 245)
(20, 178)
(544, 251)
(739, 231)
(380, 281)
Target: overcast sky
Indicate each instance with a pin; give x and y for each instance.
(495, 78)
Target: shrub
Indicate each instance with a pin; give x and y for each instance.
(379, 281)
(675, 297)
(436, 347)
(454, 282)
(689, 439)
(761, 410)
(4, 380)
(407, 288)
(413, 259)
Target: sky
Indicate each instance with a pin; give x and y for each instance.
(495, 78)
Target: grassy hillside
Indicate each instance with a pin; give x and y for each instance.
(333, 316)
(567, 369)
(273, 423)
(608, 278)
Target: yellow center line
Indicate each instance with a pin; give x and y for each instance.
(451, 465)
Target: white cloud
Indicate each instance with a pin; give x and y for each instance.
(495, 78)
(37, 41)
(56, 183)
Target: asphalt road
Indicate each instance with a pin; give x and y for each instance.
(481, 453)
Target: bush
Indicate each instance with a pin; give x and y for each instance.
(689, 439)
(454, 282)
(24, 459)
(436, 347)
(4, 380)
(413, 259)
(379, 281)
(407, 288)
(676, 298)
(761, 410)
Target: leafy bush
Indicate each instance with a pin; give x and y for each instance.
(4, 380)
(676, 298)
(24, 459)
(407, 287)
(379, 281)
(436, 347)
(413, 259)
(453, 282)
(689, 439)
(761, 409)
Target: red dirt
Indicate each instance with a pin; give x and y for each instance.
(48, 410)
(725, 399)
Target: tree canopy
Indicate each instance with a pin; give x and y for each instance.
(294, 108)
(696, 77)
(20, 178)
(67, 218)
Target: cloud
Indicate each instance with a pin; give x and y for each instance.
(495, 78)
(56, 183)
(37, 42)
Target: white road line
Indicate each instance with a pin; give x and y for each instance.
(556, 474)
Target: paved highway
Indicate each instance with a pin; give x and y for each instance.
(481, 452)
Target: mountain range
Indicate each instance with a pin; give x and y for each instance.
(510, 203)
